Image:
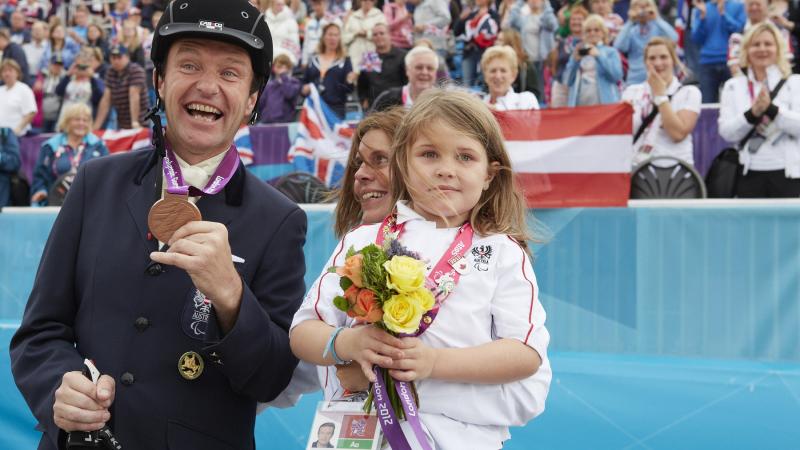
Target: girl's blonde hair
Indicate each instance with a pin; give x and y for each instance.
(321, 44)
(501, 208)
(132, 42)
(71, 112)
(348, 210)
(503, 53)
(782, 51)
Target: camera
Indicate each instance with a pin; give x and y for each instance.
(583, 51)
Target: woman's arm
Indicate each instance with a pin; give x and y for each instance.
(609, 64)
(678, 124)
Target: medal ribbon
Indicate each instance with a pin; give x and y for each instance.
(176, 185)
(446, 267)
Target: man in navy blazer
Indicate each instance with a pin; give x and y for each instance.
(190, 335)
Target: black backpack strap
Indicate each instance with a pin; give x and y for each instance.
(772, 96)
(650, 118)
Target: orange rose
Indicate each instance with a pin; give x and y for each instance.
(366, 307)
(350, 294)
(352, 269)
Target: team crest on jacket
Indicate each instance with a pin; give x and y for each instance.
(481, 254)
(196, 313)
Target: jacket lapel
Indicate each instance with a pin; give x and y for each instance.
(140, 200)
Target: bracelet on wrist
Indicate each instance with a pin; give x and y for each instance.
(330, 347)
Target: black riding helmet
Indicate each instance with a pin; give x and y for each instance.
(234, 21)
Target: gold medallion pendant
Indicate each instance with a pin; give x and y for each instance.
(190, 365)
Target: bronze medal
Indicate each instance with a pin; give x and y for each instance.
(190, 365)
(170, 213)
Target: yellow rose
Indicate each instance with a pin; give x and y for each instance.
(402, 313)
(406, 274)
(425, 299)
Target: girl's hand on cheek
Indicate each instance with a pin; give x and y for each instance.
(418, 362)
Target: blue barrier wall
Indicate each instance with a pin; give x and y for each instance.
(673, 327)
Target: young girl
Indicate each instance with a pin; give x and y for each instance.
(482, 365)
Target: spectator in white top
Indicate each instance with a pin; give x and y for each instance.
(771, 155)
(35, 49)
(16, 98)
(499, 66)
(676, 107)
(284, 29)
(357, 34)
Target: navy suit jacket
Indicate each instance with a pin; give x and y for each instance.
(93, 298)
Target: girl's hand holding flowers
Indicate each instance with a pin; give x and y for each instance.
(417, 363)
(368, 346)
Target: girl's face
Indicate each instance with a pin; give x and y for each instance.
(448, 171)
(331, 38)
(763, 50)
(576, 24)
(128, 29)
(371, 186)
(659, 60)
(499, 76)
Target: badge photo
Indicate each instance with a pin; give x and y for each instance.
(341, 424)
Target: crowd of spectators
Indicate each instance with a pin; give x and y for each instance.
(363, 55)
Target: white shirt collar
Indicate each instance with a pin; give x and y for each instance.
(773, 75)
(198, 175)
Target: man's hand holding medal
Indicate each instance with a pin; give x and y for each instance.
(199, 247)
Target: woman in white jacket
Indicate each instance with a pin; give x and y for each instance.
(771, 156)
(358, 32)
(284, 29)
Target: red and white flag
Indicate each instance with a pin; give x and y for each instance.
(571, 156)
(124, 140)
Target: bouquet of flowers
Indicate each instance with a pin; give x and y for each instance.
(387, 287)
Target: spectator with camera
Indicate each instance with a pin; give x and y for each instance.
(760, 109)
(665, 112)
(80, 86)
(711, 28)
(643, 24)
(594, 70)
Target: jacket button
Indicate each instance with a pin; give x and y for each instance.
(141, 323)
(154, 269)
(127, 378)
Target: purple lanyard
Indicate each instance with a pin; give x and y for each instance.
(176, 185)
(453, 257)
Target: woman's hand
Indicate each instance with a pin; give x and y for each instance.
(657, 84)
(351, 77)
(306, 90)
(417, 362)
(368, 345)
(593, 51)
(762, 101)
(700, 5)
(352, 378)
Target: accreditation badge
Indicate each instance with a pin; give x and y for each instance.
(344, 424)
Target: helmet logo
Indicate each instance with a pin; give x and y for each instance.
(211, 25)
